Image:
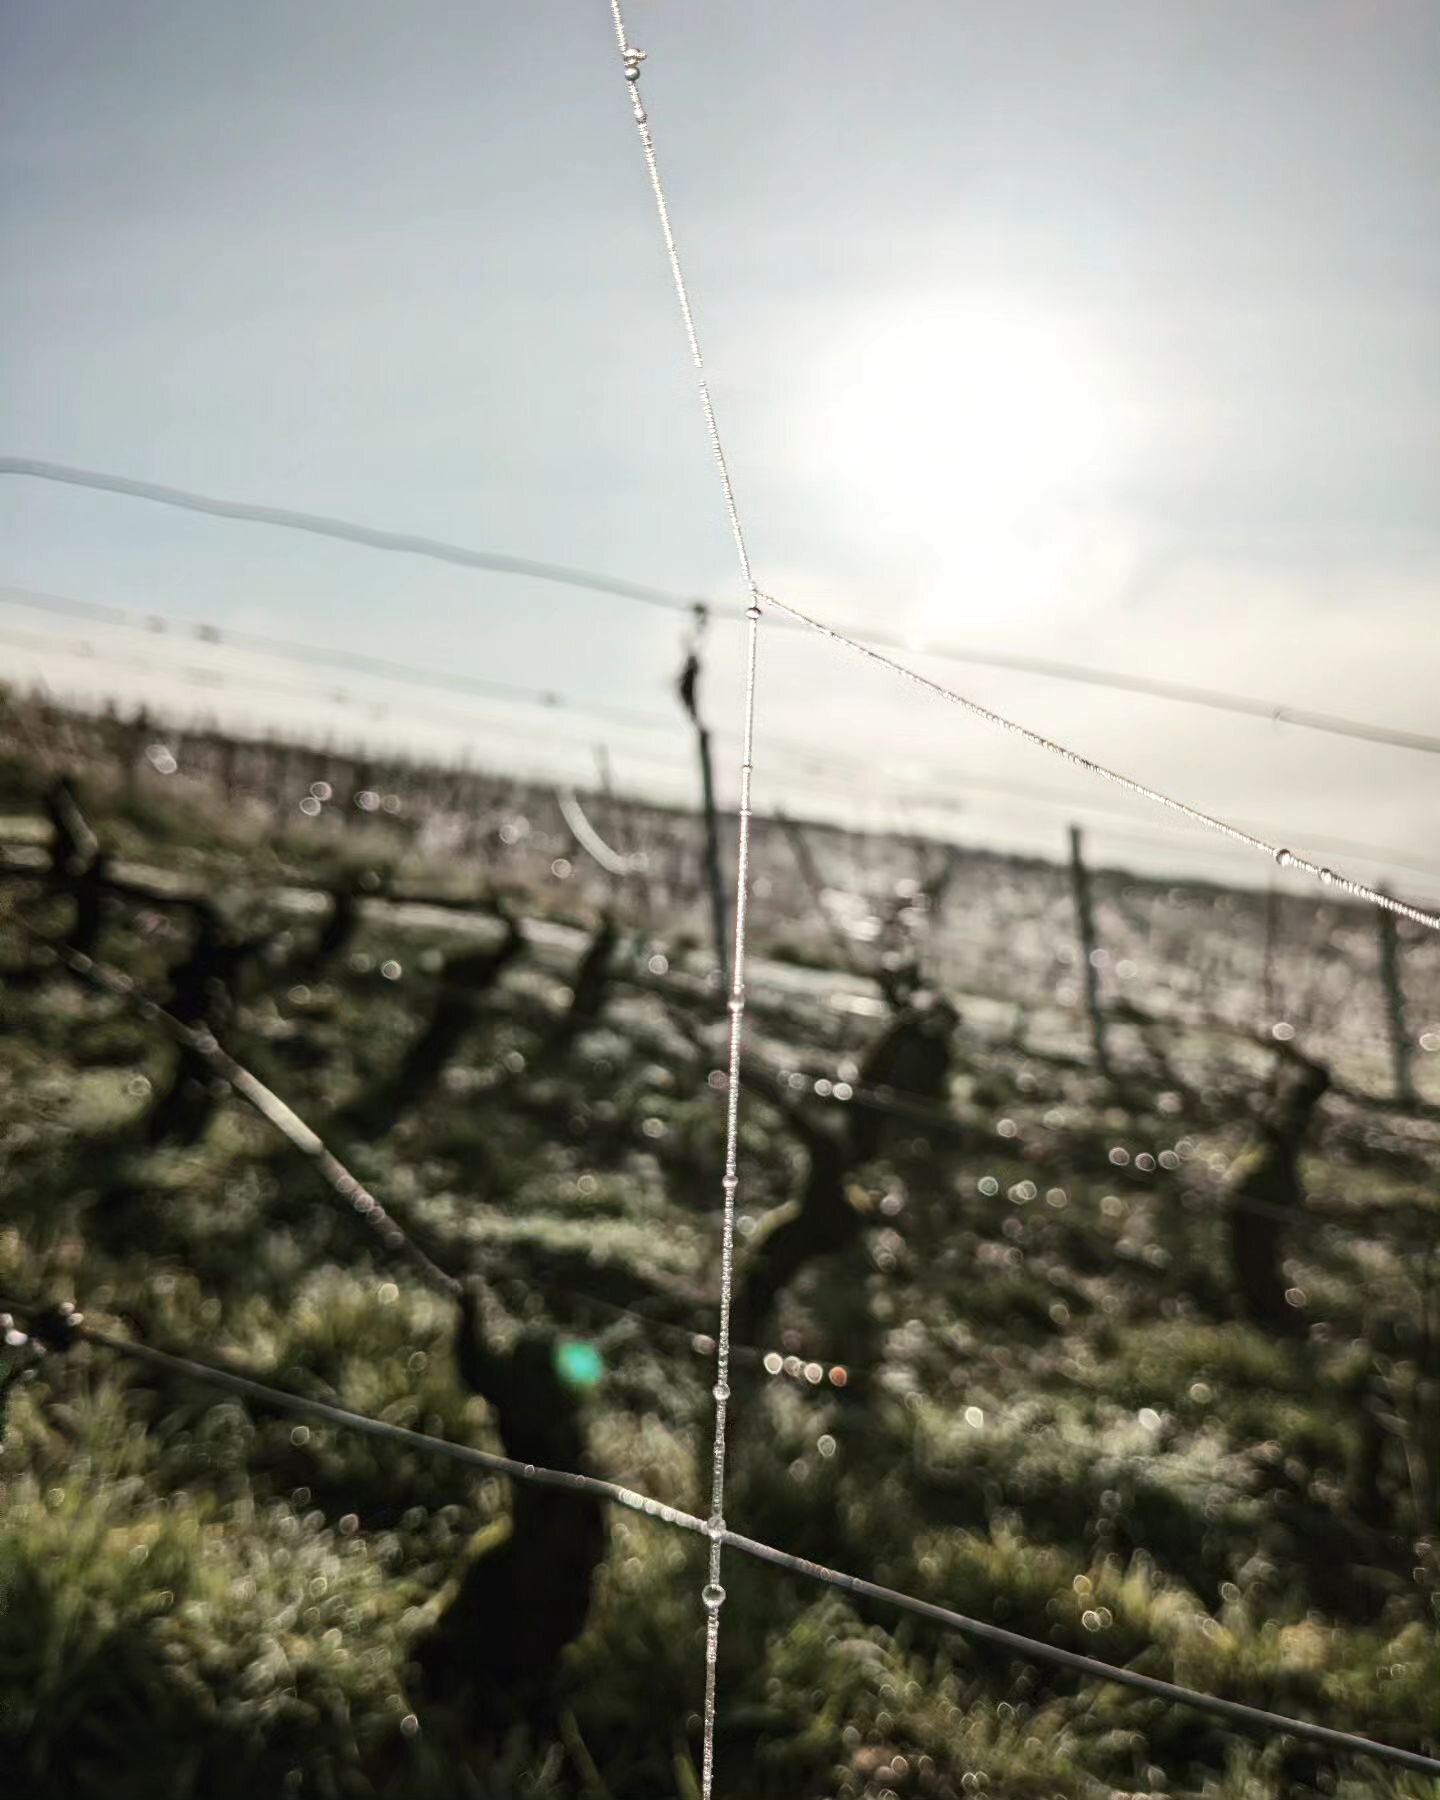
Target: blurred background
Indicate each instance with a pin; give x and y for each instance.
(1102, 337)
(371, 673)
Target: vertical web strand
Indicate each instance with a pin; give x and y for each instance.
(713, 1594)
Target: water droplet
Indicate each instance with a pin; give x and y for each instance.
(1284, 858)
(774, 1362)
(721, 1390)
(713, 1596)
(715, 1526)
(1326, 877)
(752, 612)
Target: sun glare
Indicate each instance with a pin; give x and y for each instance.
(972, 442)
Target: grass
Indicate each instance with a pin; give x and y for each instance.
(1052, 1417)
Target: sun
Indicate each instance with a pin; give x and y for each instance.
(971, 440)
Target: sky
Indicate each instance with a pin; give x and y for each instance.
(1108, 333)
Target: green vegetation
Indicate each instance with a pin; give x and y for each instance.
(1052, 1414)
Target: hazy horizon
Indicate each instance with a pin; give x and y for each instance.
(1107, 337)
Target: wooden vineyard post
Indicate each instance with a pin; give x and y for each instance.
(815, 886)
(1394, 1003)
(1085, 929)
(1271, 973)
(714, 877)
(714, 873)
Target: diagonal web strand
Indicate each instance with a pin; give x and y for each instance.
(1287, 859)
(1234, 1712)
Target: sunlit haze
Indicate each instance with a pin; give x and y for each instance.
(1104, 334)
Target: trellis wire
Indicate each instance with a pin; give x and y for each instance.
(404, 542)
(714, 1594)
(1285, 858)
(84, 649)
(1247, 705)
(269, 1105)
(302, 1137)
(568, 1481)
(283, 1117)
(810, 772)
(714, 1527)
(280, 1115)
